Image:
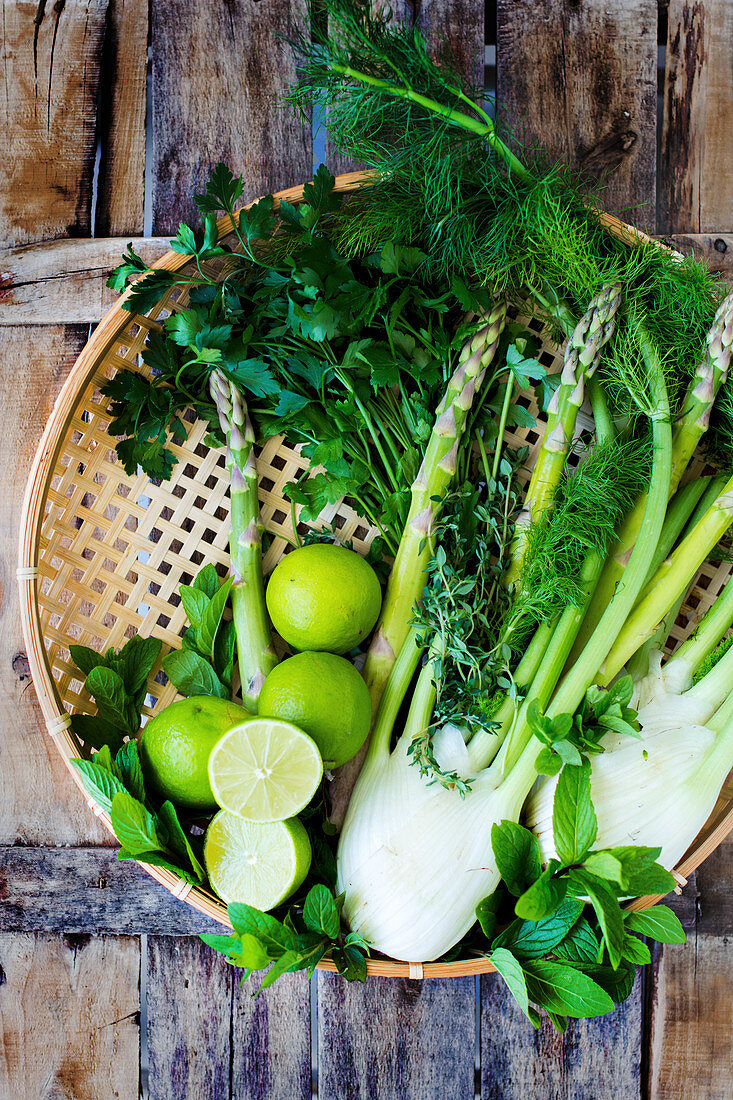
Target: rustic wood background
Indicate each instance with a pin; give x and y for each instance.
(114, 113)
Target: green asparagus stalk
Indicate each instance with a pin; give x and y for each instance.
(582, 354)
(252, 627)
(436, 473)
(691, 424)
(670, 583)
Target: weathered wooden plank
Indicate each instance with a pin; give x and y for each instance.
(691, 1048)
(65, 281)
(271, 1047)
(696, 177)
(189, 1006)
(691, 1026)
(38, 802)
(100, 894)
(219, 74)
(581, 80)
(50, 84)
(395, 1038)
(594, 1058)
(70, 1017)
(121, 192)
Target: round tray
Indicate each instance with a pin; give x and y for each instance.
(102, 554)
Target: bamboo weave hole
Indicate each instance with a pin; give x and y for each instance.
(102, 554)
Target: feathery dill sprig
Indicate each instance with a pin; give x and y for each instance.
(591, 503)
(449, 183)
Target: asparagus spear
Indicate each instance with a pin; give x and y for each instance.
(254, 642)
(438, 468)
(582, 353)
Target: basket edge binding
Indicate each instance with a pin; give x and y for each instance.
(55, 716)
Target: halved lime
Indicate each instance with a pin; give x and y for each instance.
(258, 863)
(265, 770)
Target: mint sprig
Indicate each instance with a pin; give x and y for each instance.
(298, 942)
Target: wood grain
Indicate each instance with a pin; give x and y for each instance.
(70, 1019)
(696, 193)
(713, 249)
(121, 195)
(100, 893)
(271, 1039)
(38, 803)
(65, 281)
(691, 1053)
(50, 83)
(395, 1038)
(595, 1058)
(189, 1006)
(580, 79)
(219, 74)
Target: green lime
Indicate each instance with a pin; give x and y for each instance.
(323, 597)
(258, 863)
(175, 746)
(324, 695)
(265, 770)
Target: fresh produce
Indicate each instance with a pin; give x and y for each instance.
(259, 863)
(324, 695)
(323, 596)
(518, 633)
(265, 770)
(175, 747)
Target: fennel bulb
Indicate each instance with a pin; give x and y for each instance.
(414, 859)
(657, 791)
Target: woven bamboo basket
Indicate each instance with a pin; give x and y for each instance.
(102, 554)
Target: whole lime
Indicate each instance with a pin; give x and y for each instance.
(175, 747)
(323, 597)
(326, 697)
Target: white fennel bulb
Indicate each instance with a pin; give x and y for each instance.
(415, 859)
(657, 791)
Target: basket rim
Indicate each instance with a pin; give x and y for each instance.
(56, 718)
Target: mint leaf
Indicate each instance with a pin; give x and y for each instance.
(95, 731)
(114, 705)
(195, 604)
(231, 946)
(100, 783)
(532, 939)
(207, 581)
(131, 773)
(134, 826)
(652, 879)
(85, 658)
(192, 674)
(634, 951)
(208, 624)
(543, 896)
(658, 923)
(580, 945)
(607, 909)
(135, 662)
(486, 911)
(574, 822)
(605, 865)
(177, 840)
(564, 990)
(253, 955)
(272, 934)
(512, 973)
(517, 855)
(320, 913)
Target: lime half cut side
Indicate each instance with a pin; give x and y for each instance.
(257, 863)
(265, 770)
